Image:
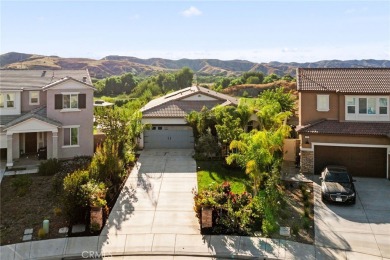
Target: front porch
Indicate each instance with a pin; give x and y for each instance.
(27, 138)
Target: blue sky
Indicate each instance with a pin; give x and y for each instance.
(259, 31)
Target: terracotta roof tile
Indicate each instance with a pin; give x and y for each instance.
(344, 80)
(347, 128)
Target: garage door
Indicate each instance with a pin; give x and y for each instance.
(360, 161)
(168, 137)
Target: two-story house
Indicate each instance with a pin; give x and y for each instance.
(344, 119)
(50, 109)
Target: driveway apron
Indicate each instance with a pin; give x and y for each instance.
(157, 197)
(363, 227)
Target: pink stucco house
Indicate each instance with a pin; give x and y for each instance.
(46, 109)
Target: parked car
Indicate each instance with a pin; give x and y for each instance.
(337, 185)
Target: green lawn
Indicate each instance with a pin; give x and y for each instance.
(213, 172)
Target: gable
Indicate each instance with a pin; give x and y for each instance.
(199, 97)
(68, 83)
(31, 125)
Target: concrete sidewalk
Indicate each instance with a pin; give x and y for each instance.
(154, 246)
(153, 218)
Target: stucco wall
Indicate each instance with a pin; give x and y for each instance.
(83, 118)
(308, 107)
(25, 99)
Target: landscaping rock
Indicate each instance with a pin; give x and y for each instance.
(28, 231)
(284, 231)
(63, 230)
(78, 228)
(27, 237)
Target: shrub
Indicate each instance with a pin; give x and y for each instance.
(57, 182)
(21, 183)
(50, 167)
(95, 192)
(94, 227)
(74, 199)
(57, 211)
(41, 233)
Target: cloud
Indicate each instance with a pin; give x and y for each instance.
(192, 11)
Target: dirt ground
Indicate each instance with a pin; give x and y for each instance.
(26, 206)
(293, 212)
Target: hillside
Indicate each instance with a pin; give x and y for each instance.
(116, 65)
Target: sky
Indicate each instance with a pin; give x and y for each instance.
(258, 31)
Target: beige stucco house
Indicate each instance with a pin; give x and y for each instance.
(167, 114)
(50, 109)
(344, 119)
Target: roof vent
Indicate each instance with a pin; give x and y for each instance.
(84, 79)
(43, 73)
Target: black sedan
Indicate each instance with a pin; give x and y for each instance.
(337, 185)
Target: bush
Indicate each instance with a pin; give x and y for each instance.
(75, 200)
(232, 213)
(21, 184)
(41, 233)
(50, 167)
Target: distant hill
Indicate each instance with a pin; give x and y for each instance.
(116, 65)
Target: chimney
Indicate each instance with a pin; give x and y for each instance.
(84, 79)
(43, 73)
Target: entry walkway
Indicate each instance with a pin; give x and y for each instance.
(153, 218)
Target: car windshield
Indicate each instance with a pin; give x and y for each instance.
(336, 177)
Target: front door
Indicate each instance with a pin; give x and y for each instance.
(30, 143)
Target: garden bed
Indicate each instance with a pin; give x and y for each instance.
(218, 184)
(27, 200)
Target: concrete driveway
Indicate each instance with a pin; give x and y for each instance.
(362, 228)
(157, 197)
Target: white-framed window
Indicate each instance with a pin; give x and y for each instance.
(323, 103)
(363, 108)
(383, 106)
(71, 136)
(7, 100)
(70, 101)
(34, 97)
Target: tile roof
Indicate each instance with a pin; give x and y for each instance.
(39, 113)
(37, 79)
(344, 80)
(335, 127)
(177, 108)
(172, 105)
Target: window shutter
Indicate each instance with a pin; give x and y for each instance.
(57, 101)
(82, 101)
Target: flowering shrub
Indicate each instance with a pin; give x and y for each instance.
(232, 213)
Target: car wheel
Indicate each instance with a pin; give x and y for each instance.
(354, 201)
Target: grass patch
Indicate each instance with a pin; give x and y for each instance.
(214, 172)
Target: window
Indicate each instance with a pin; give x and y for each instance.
(7, 100)
(367, 108)
(71, 136)
(323, 103)
(34, 97)
(351, 105)
(383, 106)
(70, 101)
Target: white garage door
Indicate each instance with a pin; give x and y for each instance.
(169, 137)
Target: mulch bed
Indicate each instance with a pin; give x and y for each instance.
(21, 211)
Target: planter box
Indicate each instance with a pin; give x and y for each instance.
(207, 217)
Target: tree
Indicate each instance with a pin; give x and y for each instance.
(253, 75)
(253, 80)
(271, 78)
(184, 77)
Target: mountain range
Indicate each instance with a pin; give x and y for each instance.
(116, 65)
